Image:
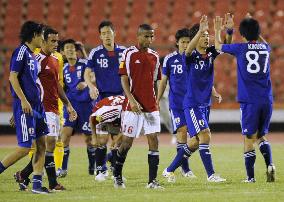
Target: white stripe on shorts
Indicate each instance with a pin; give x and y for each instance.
(24, 128)
(195, 123)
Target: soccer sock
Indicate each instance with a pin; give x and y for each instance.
(58, 154)
(112, 160)
(265, 150)
(109, 156)
(249, 163)
(2, 168)
(184, 163)
(28, 170)
(65, 158)
(183, 151)
(206, 158)
(100, 158)
(153, 161)
(50, 169)
(37, 181)
(119, 161)
(91, 157)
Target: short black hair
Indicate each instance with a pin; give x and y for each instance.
(28, 30)
(72, 41)
(105, 23)
(184, 32)
(145, 27)
(249, 29)
(47, 31)
(193, 31)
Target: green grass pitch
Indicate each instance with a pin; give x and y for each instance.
(227, 159)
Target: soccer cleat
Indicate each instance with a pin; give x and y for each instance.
(170, 176)
(251, 180)
(154, 185)
(118, 183)
(23, 183)
(188, 174)
(42, 190)
(57, 188)
(123, 178)
(61, 173)
(215, 178)
(105, 172)
(270, 173)
(100, 177)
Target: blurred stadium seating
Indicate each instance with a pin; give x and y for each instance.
(79, 19)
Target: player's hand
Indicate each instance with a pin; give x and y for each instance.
(203, 24)
(94, 93)
(26, 107)
(248, 15)
(229, 21)
(12, 122)
(135, 106)
(218, 97)
(72, 113)
(81, 86)
(218, 23)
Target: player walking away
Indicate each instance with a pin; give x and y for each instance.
(140, 72)
(174, 70)
(197, 101)
(52, 90)
(104, 63)
(28, 111)
(105, 120)
(254, 92)
(78, 94)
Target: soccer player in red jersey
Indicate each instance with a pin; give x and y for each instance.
(52, 90)
(140, 71)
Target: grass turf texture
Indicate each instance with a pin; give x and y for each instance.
(227, 159)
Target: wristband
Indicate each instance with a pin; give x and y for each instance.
(230, 31)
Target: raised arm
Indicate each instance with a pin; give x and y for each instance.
(229, 26)
(218, 29)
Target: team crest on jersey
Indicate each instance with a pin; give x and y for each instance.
(201, 123)
(31, 131)
(177, 120)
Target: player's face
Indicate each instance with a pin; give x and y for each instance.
(37, 40)
(183, 43)
(145, 38)
(107, 35)
(70, 51)
(204, 40)
(51, 43)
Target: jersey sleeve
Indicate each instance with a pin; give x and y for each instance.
(166, 68)
(158, 74)
(232, 49)
(17, 61)
(122, 67)
(213, 51)
(91, 60)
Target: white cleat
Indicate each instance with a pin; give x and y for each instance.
(100, 177)
(270, 173)
(189, 174)
(215, 178)
(118, 183)
(170, 176)
(251, 180)
(154, 185)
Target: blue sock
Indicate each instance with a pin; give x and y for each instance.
(65, 158)
(265, 150)
(2, 168)
(109, 156)
(184, 164)
(206, 159)
(37, 181)
(249, 163)
(91, 151)
(183, 151)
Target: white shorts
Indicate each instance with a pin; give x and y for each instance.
(53, 123)
(133, 125)
(107, 128)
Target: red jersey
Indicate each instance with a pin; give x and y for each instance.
(143, 70)
(49, 78)
(108, 109)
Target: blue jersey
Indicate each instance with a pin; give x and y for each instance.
(174, 68)
(105, 65)
(73, 75)
(254, 83)
(200, 70)
(24, 63)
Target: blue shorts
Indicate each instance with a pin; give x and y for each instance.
(255, 118)
(178, 119)
(81, 124)
(29, 127)
(197, 119)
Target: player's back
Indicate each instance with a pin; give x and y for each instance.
(253, 60)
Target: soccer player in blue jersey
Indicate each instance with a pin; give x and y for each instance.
(174, 70)
(78, 94)
(197, 101)
(28, 111)
(104, 63)
(254, 92)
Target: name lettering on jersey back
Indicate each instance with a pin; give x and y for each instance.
(256, 46)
